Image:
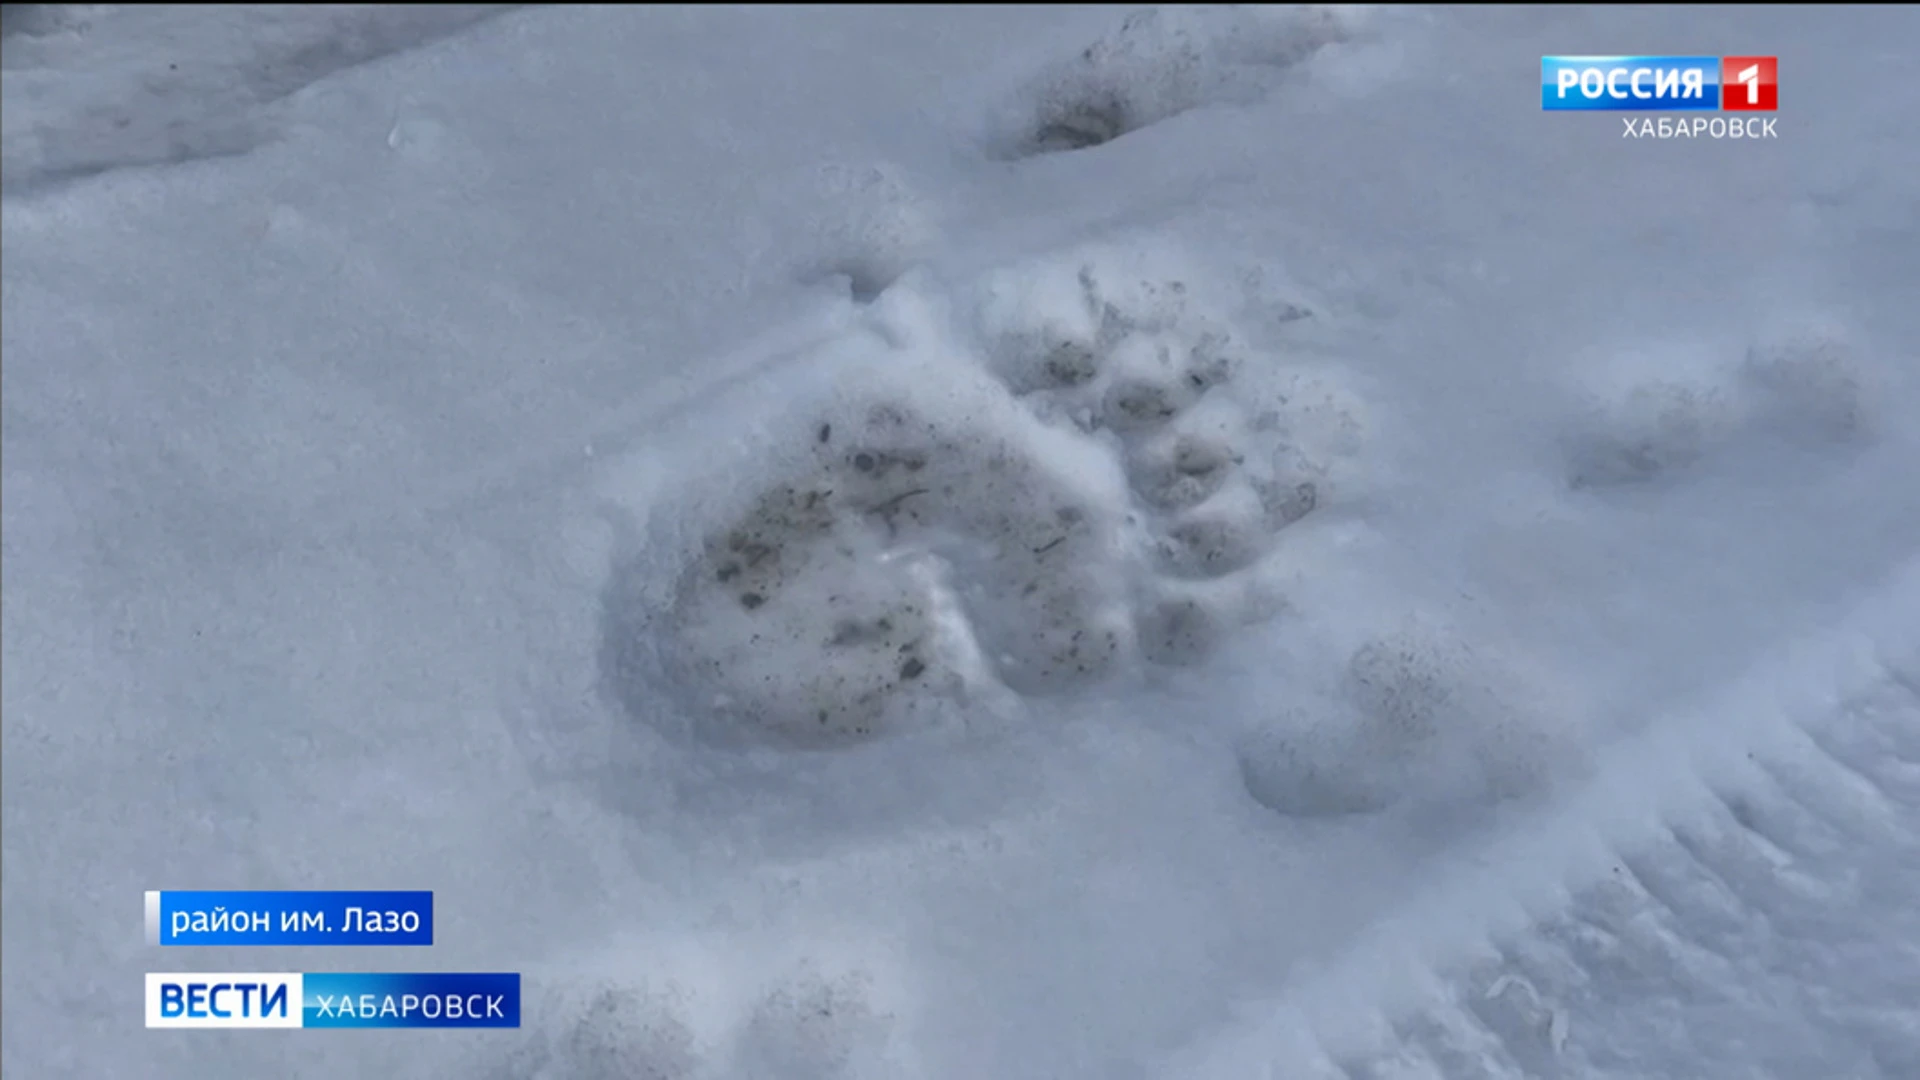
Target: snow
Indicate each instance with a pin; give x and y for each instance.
(966, 542)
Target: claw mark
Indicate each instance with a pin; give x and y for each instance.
(893, 504)
(886, 509)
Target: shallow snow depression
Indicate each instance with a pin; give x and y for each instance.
(865, 543)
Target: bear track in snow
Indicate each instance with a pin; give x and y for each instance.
(1222, 448)
(1161, 62)
(1097, 494)
(805, 1019)
(1420, 717)
(916, 543)
(1665, 409)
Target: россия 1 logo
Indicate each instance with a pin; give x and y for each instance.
(1660, 83)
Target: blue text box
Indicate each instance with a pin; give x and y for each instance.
(442, 999)
(1629, 83)
(237, 917)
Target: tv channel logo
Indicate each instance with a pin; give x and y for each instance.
(223, 999)
(1660, 83)
(441, 999)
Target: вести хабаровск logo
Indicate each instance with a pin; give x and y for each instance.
(439, 999)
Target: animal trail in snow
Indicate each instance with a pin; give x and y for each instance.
(853, 599)
(1084, 489)
(1421, 716)
(1659, 412)
(1158, 63)
(800, 1019)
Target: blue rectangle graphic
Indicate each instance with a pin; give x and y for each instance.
(202, 999)
(221, 917)
(411, 1000)
(1629, 83)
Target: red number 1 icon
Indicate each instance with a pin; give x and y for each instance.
(1749, 83)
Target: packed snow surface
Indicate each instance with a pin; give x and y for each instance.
(967, 542)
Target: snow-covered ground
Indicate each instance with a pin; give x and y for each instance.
(969, 542)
